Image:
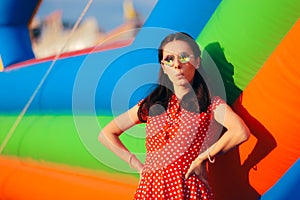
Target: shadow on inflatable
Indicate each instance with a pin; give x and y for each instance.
(229, 177)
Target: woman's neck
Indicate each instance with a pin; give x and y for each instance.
(180, 91)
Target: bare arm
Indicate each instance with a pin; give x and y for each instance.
(237, 132)
(109, 136)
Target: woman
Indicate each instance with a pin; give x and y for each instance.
(181, 119)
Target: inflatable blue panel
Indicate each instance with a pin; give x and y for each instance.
(287, 187)
(17, 12)
(104, 81)
(14, 35)
(187, 16)
(15, 44)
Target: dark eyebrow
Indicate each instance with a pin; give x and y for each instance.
(184, 52)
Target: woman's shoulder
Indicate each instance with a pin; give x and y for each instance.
(215, 102)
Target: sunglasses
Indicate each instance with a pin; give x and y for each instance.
(182, 58)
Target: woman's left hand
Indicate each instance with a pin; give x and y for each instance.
(198, 167)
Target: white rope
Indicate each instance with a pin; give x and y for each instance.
(20, 116)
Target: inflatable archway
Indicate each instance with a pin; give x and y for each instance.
(15, 40)
(254, 45)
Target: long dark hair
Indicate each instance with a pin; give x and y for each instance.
(164, 89)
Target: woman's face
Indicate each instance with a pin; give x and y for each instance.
(179, 62)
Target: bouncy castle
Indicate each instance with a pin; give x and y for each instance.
(52, 110)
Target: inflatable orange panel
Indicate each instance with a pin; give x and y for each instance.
(28, 180)
(270, 107)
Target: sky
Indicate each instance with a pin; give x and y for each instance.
(109, 13)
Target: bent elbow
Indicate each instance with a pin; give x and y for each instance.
(244, 134)
(240, 134)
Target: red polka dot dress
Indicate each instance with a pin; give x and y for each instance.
(173, 140)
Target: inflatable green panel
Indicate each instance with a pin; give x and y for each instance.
(55, 139)
(241, 35)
